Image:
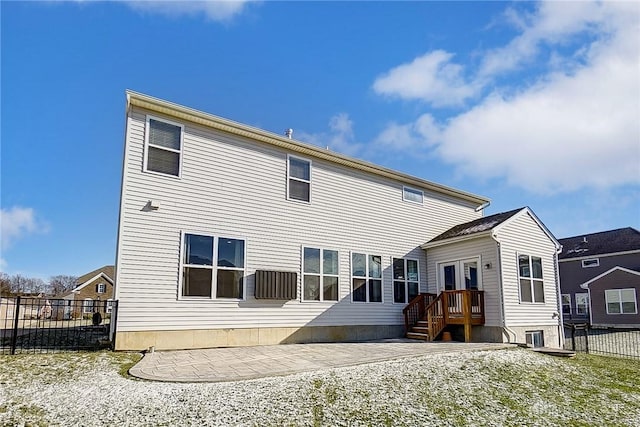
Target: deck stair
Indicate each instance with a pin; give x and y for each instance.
(427, 315)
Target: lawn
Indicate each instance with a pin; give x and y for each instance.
(502, 387)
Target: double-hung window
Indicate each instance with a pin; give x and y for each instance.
(366, 278)
(163, 148)
(405, 280)
(319, 274)
(298, 179)
(87, 305)
(566, 304)
(213, 267)
(101, 288)
(530, 276)
(621, 301)
(582, 304)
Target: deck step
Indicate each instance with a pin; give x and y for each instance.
(420, 329)
(418, 336)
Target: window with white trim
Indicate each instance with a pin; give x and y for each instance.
(594, 262)
(406, 280)
(582, 304)
(412, 195)
(87, 306)
(366, 278)
(621, 301)
(163, 148)
(298, 179)
(212, 267)
(530, 278)
(566, 304)
(101, 288)
(319, 274)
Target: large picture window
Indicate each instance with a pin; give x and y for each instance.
(163, 148)
(405, 280)
(621, 301)
(366, 278)
(213, 267)
(530, 276)
(298, 179)
(319, 274)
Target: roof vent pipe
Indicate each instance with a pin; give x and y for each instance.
(584, 240)
(289, 133)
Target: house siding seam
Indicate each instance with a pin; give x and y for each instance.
(232, 186)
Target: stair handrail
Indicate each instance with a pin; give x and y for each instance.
(436, 316)
(415, 310)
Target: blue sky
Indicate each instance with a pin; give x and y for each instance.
(529, 104)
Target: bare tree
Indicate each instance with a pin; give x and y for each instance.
(61, 283)
(5, 285)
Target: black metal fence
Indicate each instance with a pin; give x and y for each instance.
(617, 342)
(41, 325)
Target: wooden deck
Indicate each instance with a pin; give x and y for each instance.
(426, 316)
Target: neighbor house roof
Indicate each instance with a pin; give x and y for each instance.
(483, 227)
(180, 112)
(605, 242)
(107, 272)
(585, 285)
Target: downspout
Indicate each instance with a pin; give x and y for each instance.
(505, 330)
(559, 300)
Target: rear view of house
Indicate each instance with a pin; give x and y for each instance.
(230, 235)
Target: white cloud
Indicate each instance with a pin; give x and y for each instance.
(340, 137)
(432, 77)
(576, 127)
(218, 10)
(17, 222)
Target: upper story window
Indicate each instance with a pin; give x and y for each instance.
(101, 288)
(530, 275)
(405, 280)
(412, 195)
(319, 274)
(163, 149)
(212, 267)
(621, 301)
(594, 262)
(566, 304)
(366, 278)
(298, 179)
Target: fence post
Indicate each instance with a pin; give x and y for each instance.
(14, 338)
(586, 337)
(573, 337)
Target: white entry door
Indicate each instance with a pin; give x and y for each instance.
(462, 274)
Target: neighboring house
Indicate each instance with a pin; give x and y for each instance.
(587, 256)
(93, 292)
(230, 235)
(614, 298)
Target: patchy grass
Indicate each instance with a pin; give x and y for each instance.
(492, 388)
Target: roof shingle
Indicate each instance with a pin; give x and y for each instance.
(604, 242)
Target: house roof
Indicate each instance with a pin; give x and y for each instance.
(107, 272)
(484, 224)
(483, 227)
(585, 285)
(605, 242)
(205, 119)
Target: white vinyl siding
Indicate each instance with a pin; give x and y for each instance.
(216, 195)
(522, 235)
